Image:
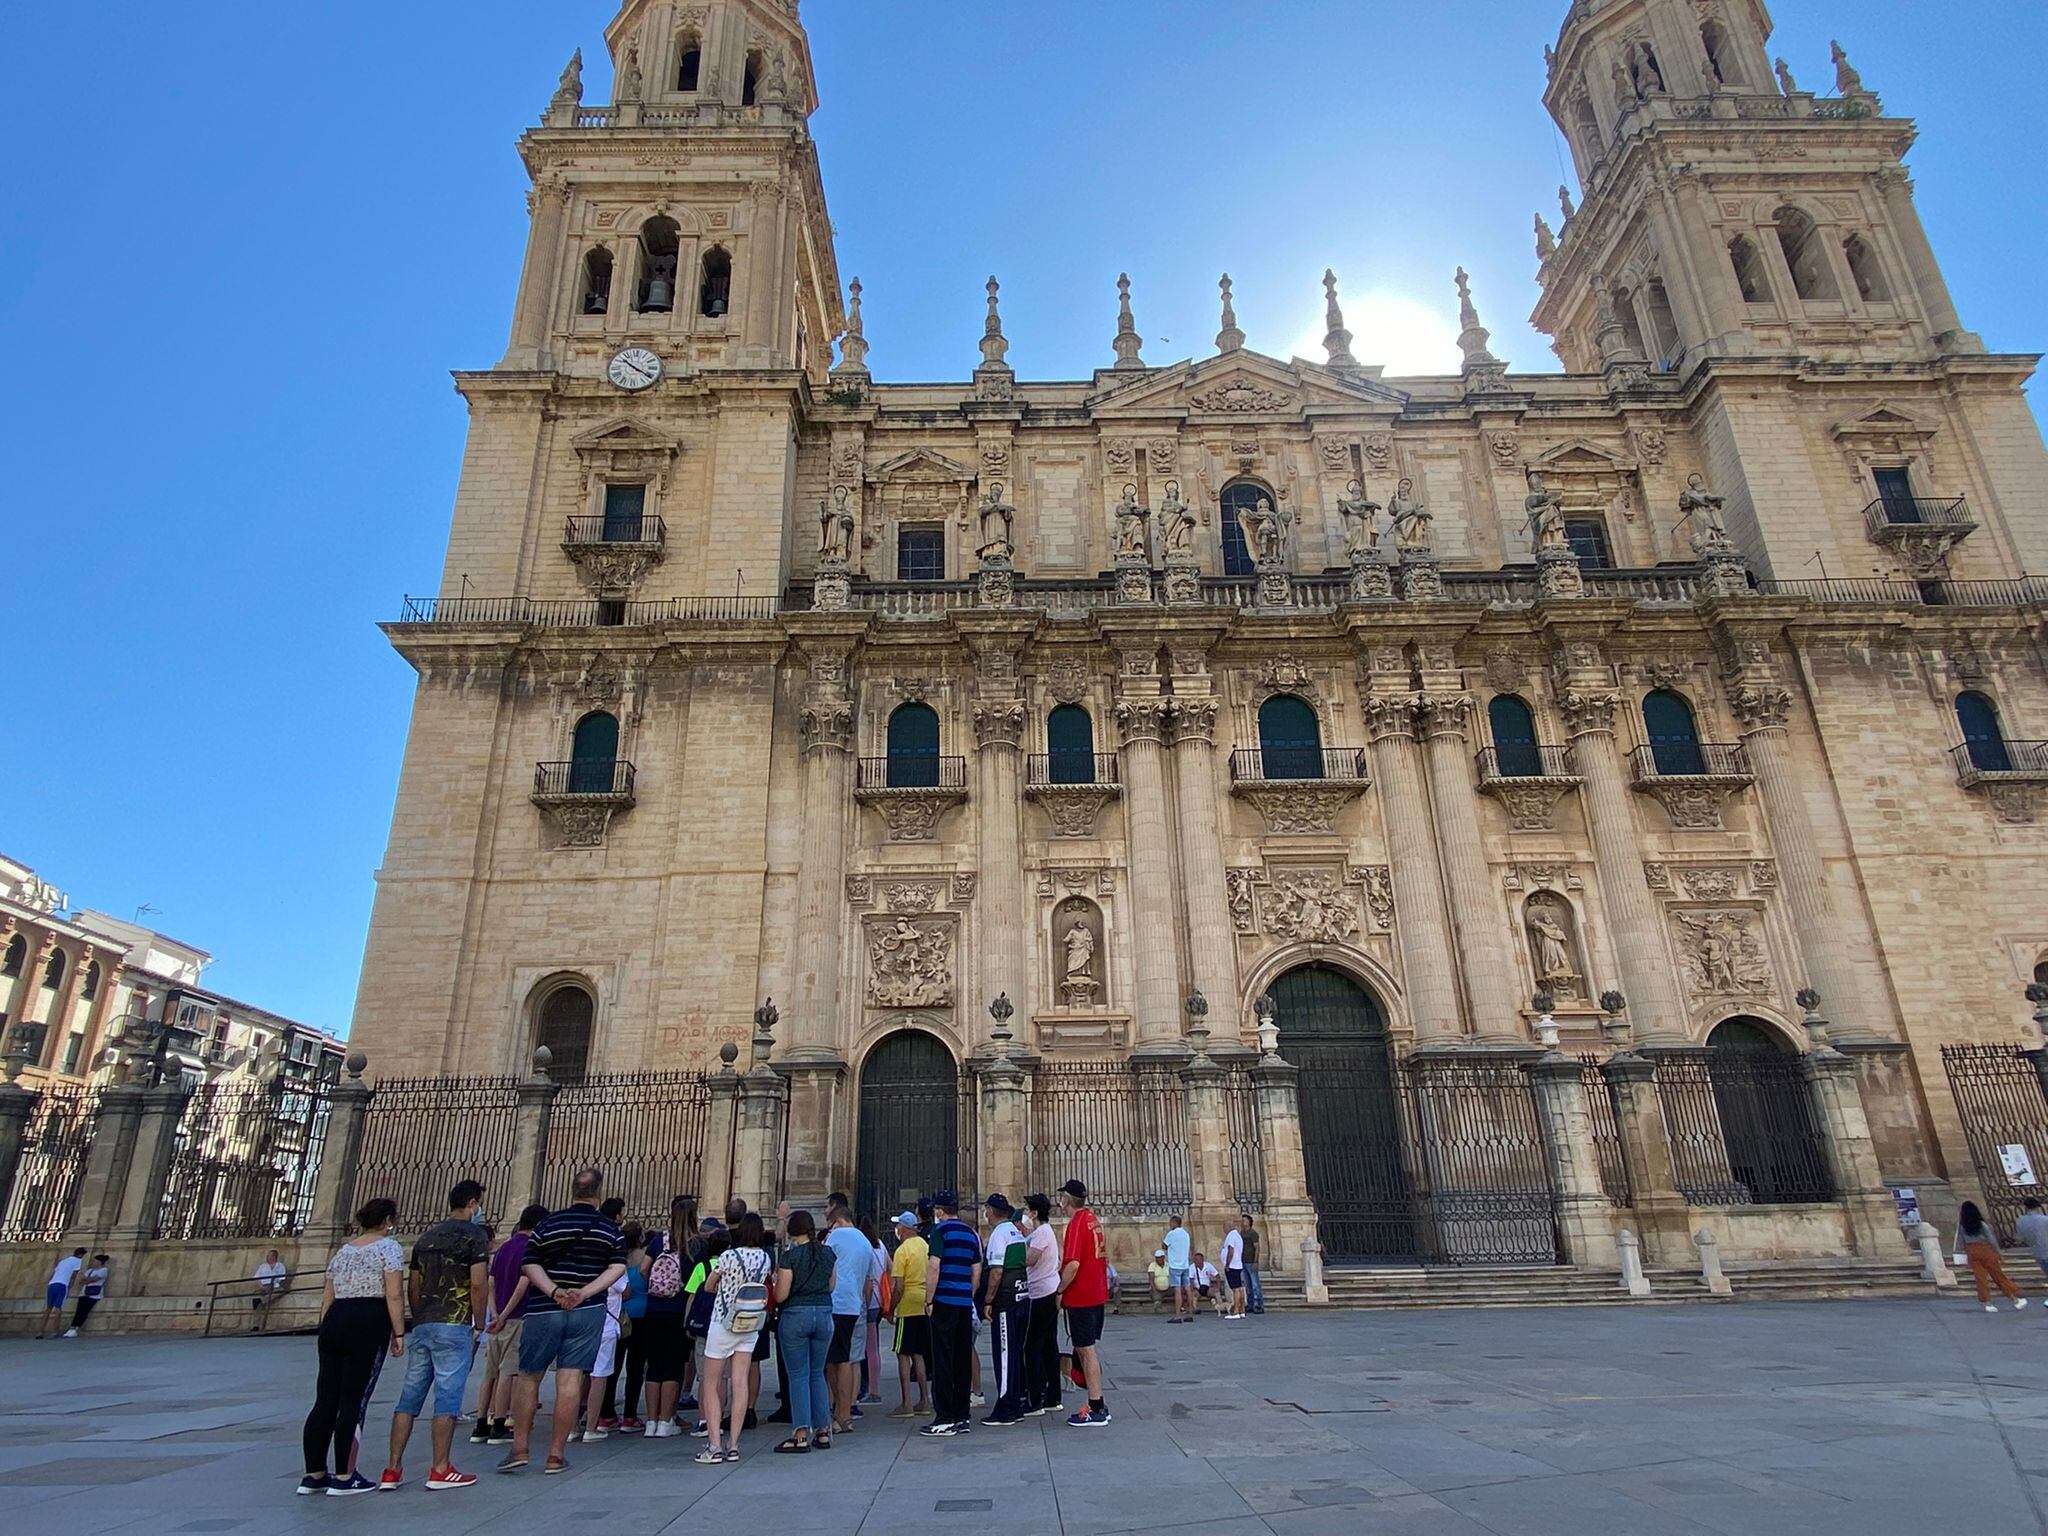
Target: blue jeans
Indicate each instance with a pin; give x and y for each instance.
(561, 1340)
(439, 1354)
(1256, 1297)
(806, 1334)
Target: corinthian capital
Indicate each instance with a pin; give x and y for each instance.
(1194, 720)
(826, 725)
(1142, 719)
(999, 722)
(1760, 708)
(1390, 715)
(1587, 712)
(1445, 714)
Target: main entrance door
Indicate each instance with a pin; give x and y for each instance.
(909, 1123)
(1351, 1135)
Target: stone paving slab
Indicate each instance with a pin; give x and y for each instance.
(1875, 1417)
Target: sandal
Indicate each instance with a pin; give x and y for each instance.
(732, 1453)
(710, 1456)
(822, 1441)
(792, 1447)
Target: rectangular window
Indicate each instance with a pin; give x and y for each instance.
(1895, 490)
(624, 507)
(1588, 539)
(921, 554)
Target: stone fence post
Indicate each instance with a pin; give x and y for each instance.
(1005, 1131)
(530, 1131)
(721, 1126)
(106, 1162)
(1290, 1214)
(1852, 1156)
(1212, 1194)
(758, 1152)
(17, 1106)
(1660, 1209)
(149, 1167)
(334, 1184)
(1585, 1216)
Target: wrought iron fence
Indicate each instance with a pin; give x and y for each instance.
(1999, 1099)
(1478, 1167)
(1118, 1127)
(422, 1136)
(1743, 1129)
(643, 1130)
(55, 1143)
(244, 1161)
(1247, 1152)
(1606, 1127)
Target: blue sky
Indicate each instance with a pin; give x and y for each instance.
(244, 243)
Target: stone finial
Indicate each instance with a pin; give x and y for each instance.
(853, 346)
(1564, 202)
(1128, 342)
(1848, 82)
(569, 93)
(1230, 338)
(1785, 81)
(1546, 241)
(1337, 341)
(995, 346)
(357, 1064)
(1472, 336)
(543, 1058)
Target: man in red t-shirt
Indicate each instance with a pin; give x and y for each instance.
(1084, 1292)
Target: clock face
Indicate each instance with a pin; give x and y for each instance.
(635, 368)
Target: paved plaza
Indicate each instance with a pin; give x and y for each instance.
(1869, 1417)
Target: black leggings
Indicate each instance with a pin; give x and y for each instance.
(353, 1337)
(1042, 1354)
(632, 1354)
(85, 1306)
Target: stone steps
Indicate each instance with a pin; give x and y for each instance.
(1798, 1280)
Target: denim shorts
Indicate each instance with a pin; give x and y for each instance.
(568, 1340)
(1176, 1278)
(438, 1353)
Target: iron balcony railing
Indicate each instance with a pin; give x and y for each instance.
(1689, 760)
(593, 613)
(604, 528)
(1999, 592)
(599, 779)
(1264, 765)
(1888, 513)
(1977, 761)
(1525, 760)
(1052, 768)
(911, 770)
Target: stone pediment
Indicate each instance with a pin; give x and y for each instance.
(624, 435)
(1579, 454)
(1888, 422)
(1241, 384)
(922, 464)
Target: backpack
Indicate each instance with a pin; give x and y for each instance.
(702, 1306)
(665, 1276)
(749, 1304)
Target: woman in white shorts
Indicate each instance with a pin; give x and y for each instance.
(727, 1353)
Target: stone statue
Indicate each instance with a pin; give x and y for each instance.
(1409, 518)
(1080, 945)
(1847, 81)
(1550, 945)
(1649, 73)
(629, 77)
(1546, 241)
(1702, 508)
(1130, 527)
(998, 523)
(1785, 81)
(1564, 202)
(774, 88)
(835, 520)
(1546, 515)
(1265, 530)
(1176, 524)
(1625, 92)
(1361, 516)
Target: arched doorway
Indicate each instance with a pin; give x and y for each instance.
(1768, 1122)
(1351, 1136)
(909, 1123)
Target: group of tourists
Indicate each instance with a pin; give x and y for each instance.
(1183, 1277)
(76, 1284)
(688, 1315)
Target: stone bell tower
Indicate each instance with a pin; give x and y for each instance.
(1726, 210)
(687, 216)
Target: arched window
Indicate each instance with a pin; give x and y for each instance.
(1982, 735)
(567, 1016)
(1290, 739)
(91, 989)
(1589, 129)
(1070, 745)
(1513, 728)
(714, 293)
(692, 64)
(750, 86)
(594, 755)
(1238, 500)
(2041, 972)
(1750, 273)
(1674, 735)
(53, 973)
(1721, 64)
(1588, 539)
(659, 246)
(1807, 255)
(1866, 270)
(597, 281)
(17, 956)
(914, 747)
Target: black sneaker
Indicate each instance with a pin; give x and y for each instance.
(481, 1435)
(1088, 1418)
(1002, 1421)
(350, 1486)
(939, 1431)
(752, 1422)
(314, 1482)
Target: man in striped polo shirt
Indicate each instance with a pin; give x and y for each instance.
(952, 1277)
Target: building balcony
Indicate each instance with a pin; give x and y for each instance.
(581, 613)
(1299, 790)
(1072, 788)
(911, 792)
(580, 799)
(1893, 518)
(1692, 780)
(2009, 774)
(1528, 780)
(614, 554)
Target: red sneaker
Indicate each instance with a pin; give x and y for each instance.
(448, 1477)
(607, 1423)
(631, 1426)
(392, 1480)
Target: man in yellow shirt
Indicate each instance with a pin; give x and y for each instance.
(907, 1309)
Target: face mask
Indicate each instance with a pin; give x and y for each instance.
(477, 1215)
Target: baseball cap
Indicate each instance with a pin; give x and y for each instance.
(907, 1219)
(945, 1199)
(1075, 1188)
(1158, 1253)
(1000, 1206)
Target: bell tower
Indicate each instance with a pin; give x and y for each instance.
(688, 215)
(1725, 210)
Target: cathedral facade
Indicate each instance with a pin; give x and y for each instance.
(1096, 723)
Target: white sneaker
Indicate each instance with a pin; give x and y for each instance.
(1990, 1307)
(976, 1400)
(72, 1333)
(2018, 1306)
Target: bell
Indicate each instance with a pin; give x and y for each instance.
(661, 292)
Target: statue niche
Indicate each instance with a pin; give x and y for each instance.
(1079, 954)
(1554, 946)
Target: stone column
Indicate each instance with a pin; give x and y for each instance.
(1484, 951)
(548, 203)
(149, 1166)
(1005, 1131)
(17, 1104)
(334, 1183)
(1660, 1209)
(1585, 1216)
(721, 1131)
(1142, 722)
(106, 1162)
(825, 723)
(1421, 920)
(1212, 1197)
(1940, 306)
(535, 1109)
(999, 925)
(61, 1007)
(1633, 920)
(1212, 943)
(1852, 1155)
(28, 994)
